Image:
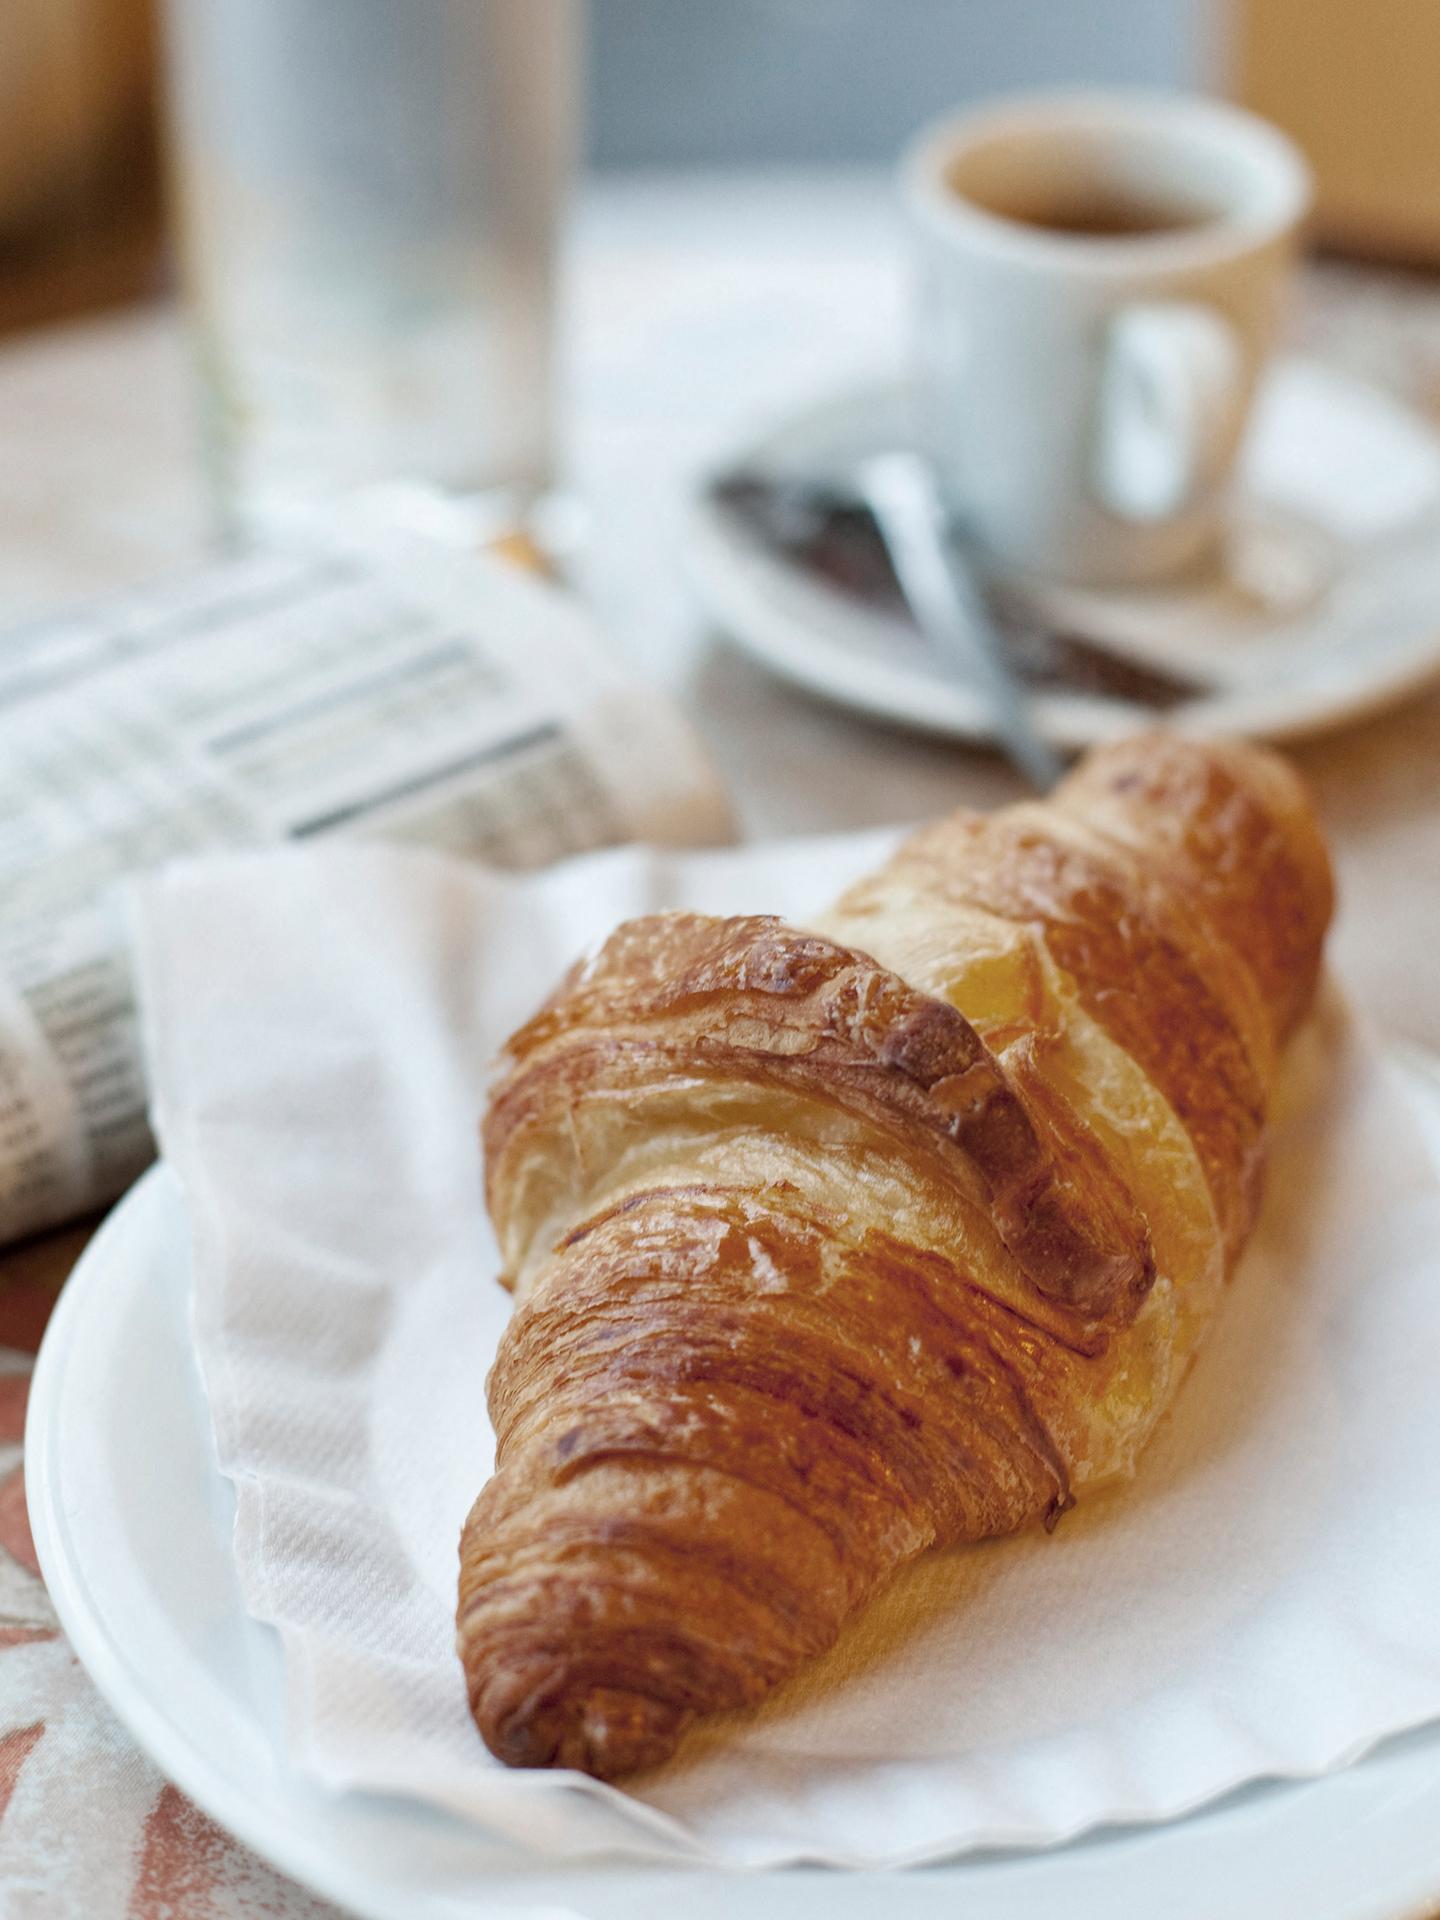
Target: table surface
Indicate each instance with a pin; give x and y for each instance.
(695, 306)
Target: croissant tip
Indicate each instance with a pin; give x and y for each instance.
(604, 1731)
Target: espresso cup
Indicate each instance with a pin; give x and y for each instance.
(1100, 277)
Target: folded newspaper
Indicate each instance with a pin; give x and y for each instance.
(407, 689)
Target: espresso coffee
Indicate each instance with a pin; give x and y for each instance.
(1105, 217)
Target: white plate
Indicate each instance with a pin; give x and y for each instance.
(1327, 608)
(132, 1519)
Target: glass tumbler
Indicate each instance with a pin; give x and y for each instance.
(367, 197)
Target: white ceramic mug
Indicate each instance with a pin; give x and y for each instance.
(1083, 390)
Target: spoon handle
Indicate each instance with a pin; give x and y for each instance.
(949, 607)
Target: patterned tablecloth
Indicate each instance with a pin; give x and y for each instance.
(88, 1827)
(695, 305)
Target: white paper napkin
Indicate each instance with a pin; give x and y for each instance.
(1260, 1602)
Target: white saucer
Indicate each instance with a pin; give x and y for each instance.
(132, 1521)
(1325, 608)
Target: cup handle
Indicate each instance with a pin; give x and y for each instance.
(1169, 407)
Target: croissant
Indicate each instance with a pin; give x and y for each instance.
(832, 1246)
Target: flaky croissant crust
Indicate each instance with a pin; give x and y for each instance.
(834, 1245)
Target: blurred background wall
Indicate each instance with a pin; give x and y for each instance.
(80, 213)
(672, 83)
(696, 83)
(716, 82)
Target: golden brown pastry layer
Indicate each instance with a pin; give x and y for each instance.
(833, 1246)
